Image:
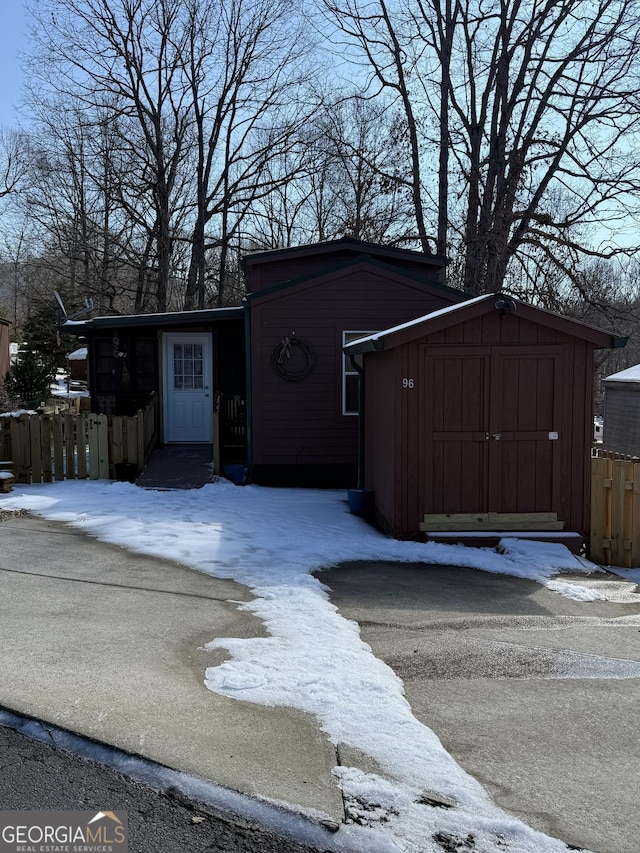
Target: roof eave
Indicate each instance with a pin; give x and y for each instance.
(328, 246)
(174, 318)
(476, 307)
(368, 345)
(316, 277)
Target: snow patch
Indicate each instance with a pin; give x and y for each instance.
(272, 540)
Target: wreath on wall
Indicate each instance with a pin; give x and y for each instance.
(293, 359)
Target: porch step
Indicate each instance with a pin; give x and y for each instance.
(178, 466)
(490, 538)
(491, 521)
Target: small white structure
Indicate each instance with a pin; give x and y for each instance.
(621, 432)
(79, 354)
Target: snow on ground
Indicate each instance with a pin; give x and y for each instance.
(271, 540)
(61, 387)
(629, 574)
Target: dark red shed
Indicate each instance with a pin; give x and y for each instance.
(478, 416)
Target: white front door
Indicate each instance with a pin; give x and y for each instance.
(188, 401)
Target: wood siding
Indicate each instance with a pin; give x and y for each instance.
(510, 378)
(381, 403)
(272, 268)
(621, 431)
(301, 423)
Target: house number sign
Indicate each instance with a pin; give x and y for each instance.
(407, 383)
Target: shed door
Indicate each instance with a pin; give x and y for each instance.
(188, 406)
(492, 428)
(457, 385)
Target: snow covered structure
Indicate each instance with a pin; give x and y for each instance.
(77, 361)
(621, 428)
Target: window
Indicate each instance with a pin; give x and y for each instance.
(188, 367)
(350, 376)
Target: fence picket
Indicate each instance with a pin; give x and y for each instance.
(93, 441)
(627, 521)
(70, 446)
(18, 455)
(117, 441)
(33, 436)
(45, 449)
(132, 440)
(58, 446)
(81, 444)
(617, 512)
(598, 510)
(615, 509)
(5, 440)
(102, 423)
(635, 520)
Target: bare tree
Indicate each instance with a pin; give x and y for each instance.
(14, 282)
(128, 54)
(367, 143)
(13, 160)
(246, 63)
(281, 218)
(14, 172)
(351, 179)
(517, 102)
(370, 25)
(71, 202)
(204, 96)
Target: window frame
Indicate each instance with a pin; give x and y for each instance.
(349, 335)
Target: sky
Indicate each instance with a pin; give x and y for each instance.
(13, 40)
(13, 25)
(272, 540)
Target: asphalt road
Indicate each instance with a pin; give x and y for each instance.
(34, 775)
(534, 694)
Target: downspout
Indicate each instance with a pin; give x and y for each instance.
(360, 371)
(249, 389)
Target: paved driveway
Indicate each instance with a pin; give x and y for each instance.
(536, 695)
(109, 644)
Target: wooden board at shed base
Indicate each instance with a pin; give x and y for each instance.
(460, 521)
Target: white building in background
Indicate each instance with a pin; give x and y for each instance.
(621, 429)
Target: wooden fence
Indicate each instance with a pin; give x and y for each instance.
(69, 446)
(615, 509)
